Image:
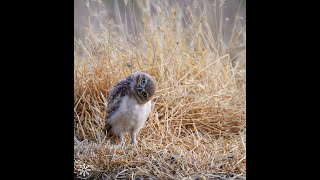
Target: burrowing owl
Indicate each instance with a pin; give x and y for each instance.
(129, 105)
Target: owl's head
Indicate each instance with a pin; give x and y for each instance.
(143, 87)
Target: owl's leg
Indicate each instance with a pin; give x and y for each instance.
(121, 139)
(133, 137)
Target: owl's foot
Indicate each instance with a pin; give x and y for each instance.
(133, 142)
(121, 144)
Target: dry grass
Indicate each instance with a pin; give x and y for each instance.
(197, 126)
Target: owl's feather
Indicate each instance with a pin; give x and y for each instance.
(117, 93)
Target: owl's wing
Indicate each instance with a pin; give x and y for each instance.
(116, 94)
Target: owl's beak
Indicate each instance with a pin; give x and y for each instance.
(139, 88)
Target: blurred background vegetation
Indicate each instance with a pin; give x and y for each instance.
(223, 16)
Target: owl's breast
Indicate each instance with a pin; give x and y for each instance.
(131, 114)
(138, 113)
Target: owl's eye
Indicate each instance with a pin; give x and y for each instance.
(143, 81)
(144, 94)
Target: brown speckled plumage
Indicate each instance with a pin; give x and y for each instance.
(117, 92)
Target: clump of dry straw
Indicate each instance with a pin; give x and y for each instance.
(196, 129)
